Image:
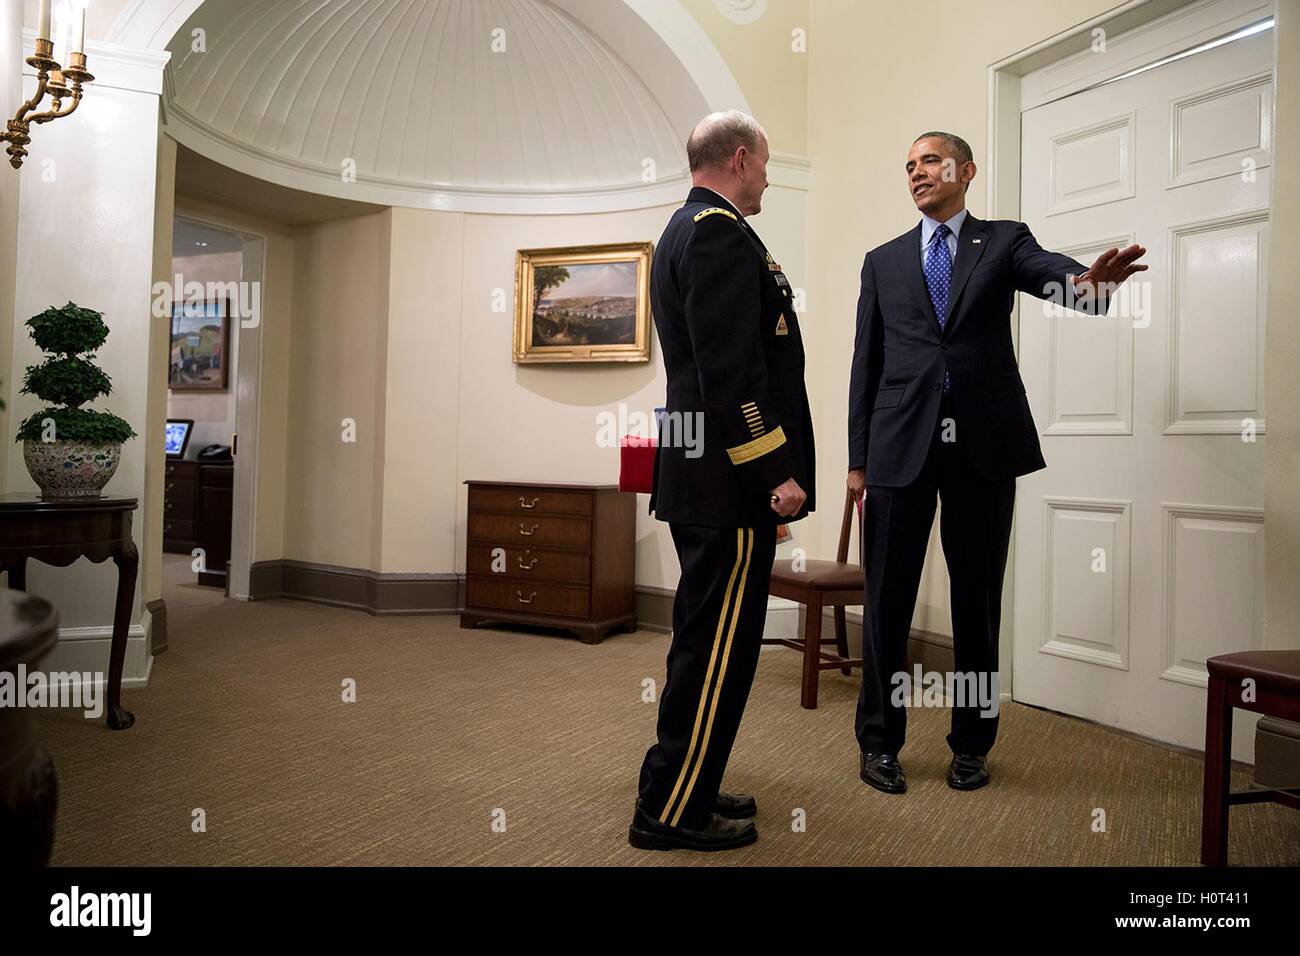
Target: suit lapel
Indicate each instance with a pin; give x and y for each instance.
(909, 247)
(970, 246)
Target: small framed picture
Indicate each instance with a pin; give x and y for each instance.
(200, 346)
(583, 304)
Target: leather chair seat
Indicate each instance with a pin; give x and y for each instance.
(819, 575)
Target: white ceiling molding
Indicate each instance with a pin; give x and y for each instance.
(151, 24)
(586, 111)
(789, 170)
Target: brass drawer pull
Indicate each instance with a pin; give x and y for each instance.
(524, 504)
(532, 531)
(170, 486)
(526, 567)
(167, 528)
(522, 600)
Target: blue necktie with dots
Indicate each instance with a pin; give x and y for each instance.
(938, 278)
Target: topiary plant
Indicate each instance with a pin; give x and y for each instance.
(70, 378)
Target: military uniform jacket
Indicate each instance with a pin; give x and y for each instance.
(738, 422)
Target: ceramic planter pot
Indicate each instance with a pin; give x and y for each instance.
(71, 469)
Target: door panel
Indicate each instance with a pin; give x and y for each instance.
(1139, 550)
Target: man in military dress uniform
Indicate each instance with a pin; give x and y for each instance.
(734, 359)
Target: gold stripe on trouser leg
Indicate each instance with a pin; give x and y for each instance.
(722, 673)
(708, 675)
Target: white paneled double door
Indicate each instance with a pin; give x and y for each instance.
(1140, 549)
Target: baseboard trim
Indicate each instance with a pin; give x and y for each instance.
(391, 594)
(933, 651)
(86, 650)
(654, 609)
(357, 588)
(156, 632)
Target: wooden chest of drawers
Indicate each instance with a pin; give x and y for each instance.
(180, 498)
(197, 505)
(553, 555)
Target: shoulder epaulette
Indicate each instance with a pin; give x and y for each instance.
(709, 212)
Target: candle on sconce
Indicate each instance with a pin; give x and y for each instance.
(79, 35)
(43, 27)
(62, 29)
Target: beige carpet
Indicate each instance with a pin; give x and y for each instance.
(244, 719)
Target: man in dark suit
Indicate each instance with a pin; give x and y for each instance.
(734, 357)
(937, 408)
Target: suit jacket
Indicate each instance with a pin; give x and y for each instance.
(900, 354)
(724, 314)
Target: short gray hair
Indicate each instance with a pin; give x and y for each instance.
(718, 136)
(955, 143)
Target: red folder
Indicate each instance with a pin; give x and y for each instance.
(636, 464)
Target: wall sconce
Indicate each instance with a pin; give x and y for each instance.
(61, 82)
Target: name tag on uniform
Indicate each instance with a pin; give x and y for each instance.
(780, 279)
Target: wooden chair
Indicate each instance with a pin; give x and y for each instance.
(819, 584)
(1274, 680)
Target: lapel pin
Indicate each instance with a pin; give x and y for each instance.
(975, 241)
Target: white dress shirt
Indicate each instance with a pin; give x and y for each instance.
(928, 226)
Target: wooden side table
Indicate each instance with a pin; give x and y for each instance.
(1273, 681)
(29, 793)
(58, 532)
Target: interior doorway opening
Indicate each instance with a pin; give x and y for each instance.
(213, 364)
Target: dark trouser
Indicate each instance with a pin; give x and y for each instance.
(975, 528)
(718, 617)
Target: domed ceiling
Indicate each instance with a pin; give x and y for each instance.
(487, 104)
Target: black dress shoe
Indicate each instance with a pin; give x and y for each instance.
(884, 772)
(968, 772)
(735, 806)
(647, 833)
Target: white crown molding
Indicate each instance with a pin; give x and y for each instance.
(115, 66)
(150, 24)
(789, 170)
(785, 170)
(295, 175)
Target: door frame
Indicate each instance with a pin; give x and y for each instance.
(1002, 190)
(247, 385)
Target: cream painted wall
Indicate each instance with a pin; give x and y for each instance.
(422, 392)
(761, 56)
(11, 87)
(858, 144)
(97, 214)
(336, 370)
(432, 387)
(213, 411)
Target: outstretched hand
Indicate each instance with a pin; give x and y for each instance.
(1110, 271)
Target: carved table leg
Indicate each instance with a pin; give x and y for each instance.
(127, 561)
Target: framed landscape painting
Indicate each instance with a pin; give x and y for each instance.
(583, 304)
(200, 346)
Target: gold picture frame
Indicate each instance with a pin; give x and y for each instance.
(605, 315)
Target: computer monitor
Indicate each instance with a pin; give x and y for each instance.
(178, 436)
